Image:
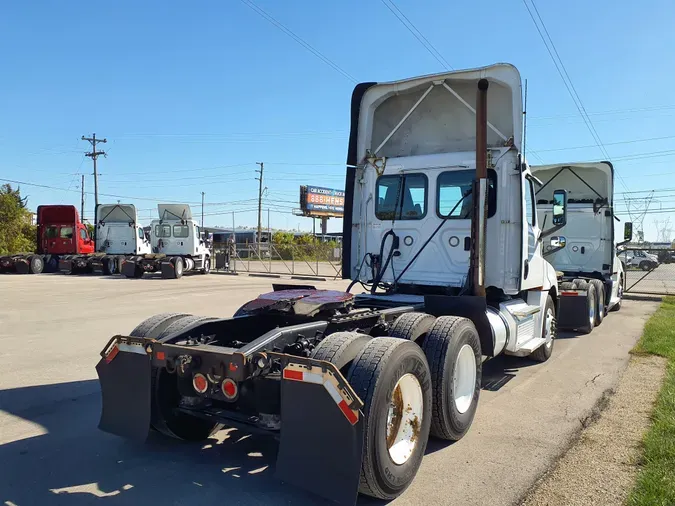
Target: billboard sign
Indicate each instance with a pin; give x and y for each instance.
(318, 201)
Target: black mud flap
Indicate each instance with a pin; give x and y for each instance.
(168, 270)
(320, 449)
(128, 268)
(65, 265)
(126, 395)
(572, 311)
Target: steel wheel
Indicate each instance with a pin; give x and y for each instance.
(404, 418)
(464, 379)
(548, 327)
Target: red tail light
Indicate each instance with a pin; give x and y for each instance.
(229, 389)
(200, 383)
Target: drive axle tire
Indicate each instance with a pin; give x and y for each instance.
(600, 306)
(392, 378)
(340, 348)
(164, 387)
(166, 396)
(155, 325)
(183, 323)
(568, 285)
(548, 331)
(591, 306)
(178, 266)
(412, 326)
(35, 264)
(453, 350)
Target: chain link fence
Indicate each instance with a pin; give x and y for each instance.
(322, 259)
(649, 270)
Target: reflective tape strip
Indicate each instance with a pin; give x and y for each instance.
(332, 391)
(298, 373)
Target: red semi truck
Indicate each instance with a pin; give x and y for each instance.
(59, 233)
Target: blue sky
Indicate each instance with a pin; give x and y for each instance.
(190, 96)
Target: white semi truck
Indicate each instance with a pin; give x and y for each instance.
(117, 236)
(441, 228)
(581, 242)
(178, 246)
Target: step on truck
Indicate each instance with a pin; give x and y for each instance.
(60, 233)
(441, 231)
(178, 246)
(575, 205)
(118, 236)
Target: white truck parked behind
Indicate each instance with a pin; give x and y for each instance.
(117, 236)
(177, 246)
(580, 243)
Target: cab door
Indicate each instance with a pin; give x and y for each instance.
(532, 272)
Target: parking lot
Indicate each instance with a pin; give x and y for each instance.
(52, 328)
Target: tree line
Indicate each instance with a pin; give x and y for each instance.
(17, 234)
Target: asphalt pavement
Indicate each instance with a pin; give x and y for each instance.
(52, 328)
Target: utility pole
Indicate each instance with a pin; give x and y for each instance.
(202, 209)
(260, 194)
(82, 205)
(94, 155)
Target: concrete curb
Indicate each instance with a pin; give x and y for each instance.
(643, 296)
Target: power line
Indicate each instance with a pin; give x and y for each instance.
(564, 75)
(667, 137)
(299, 40)
(389, 4)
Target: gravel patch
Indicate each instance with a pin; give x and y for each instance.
(601, 466)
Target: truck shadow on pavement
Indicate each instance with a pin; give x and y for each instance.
(59, 456)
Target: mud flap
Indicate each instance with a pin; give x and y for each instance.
(128, 268)
(65, 265)
(168, 270)
(320, 449)
(126, 394)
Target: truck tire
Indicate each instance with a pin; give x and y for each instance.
(182, 323)
(548, 330)
(155, 325)
(207, 266)
(340, 348)
(411, 326)
(591, 306)
(600, 307)
(582, 284)
(109, 265)
(178, 266)
(164, 388)
(620, 290)
(453, 350)
(51, 263)
(392, 378)
(645, 265)
(35, 264)
(568, 285)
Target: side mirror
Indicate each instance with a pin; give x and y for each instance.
(628, 231)
(558, 242)
(560, 208)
